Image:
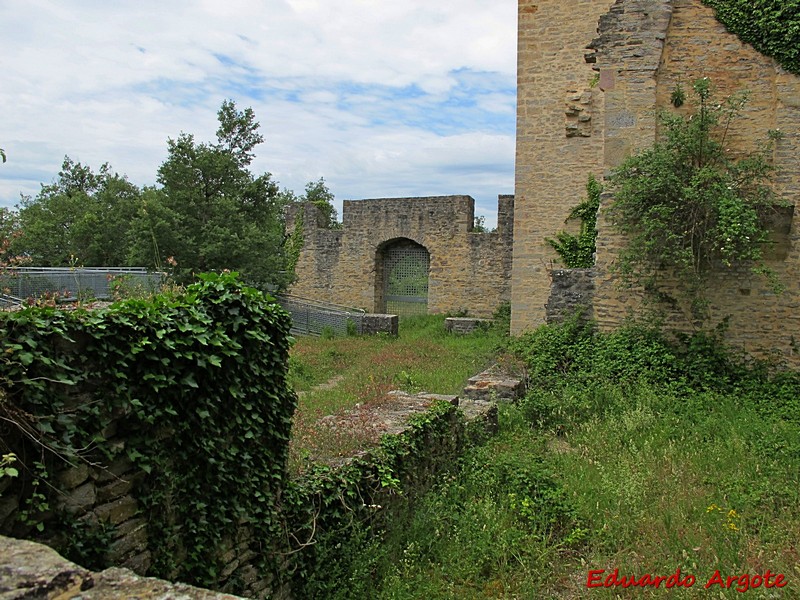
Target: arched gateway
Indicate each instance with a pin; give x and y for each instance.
(402, 268)
(404, 255)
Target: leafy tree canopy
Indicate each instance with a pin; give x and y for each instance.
(211, 213)
(82, 216)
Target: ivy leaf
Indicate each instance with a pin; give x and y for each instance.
(190, 381)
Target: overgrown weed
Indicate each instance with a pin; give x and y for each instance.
(632, 451)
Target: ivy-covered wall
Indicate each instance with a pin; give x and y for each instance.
(153, 433)
(771, 26)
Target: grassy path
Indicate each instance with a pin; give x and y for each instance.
(334, 375)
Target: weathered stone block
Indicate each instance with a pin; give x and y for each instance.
(119, 467)
(115, 489)
(129, 526)
(465, 325)
(493, 384)
(80, 500)
(375, 323)
(133, 542)
(117, 511)
(73, 477)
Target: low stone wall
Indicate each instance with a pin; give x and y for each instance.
(329, 507)
(464, 325)
(374, 323)
(570, 290)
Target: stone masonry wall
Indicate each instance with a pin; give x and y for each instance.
(681, 41)
(93, 495)
(571, 290)
(560, 129)
(640, 49)
(104, 497)
(469, 271)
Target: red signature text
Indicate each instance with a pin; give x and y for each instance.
(598, 578)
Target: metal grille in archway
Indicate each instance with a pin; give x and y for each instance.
(405, 278)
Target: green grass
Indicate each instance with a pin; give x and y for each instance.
(652, 485)
(337, 374)
(690, 463)
(700, 483)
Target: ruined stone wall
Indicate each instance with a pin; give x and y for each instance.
(641, 49)
(105, 497)
(686, 42)
(107, 493)
(469, 271)
(559, 139)
(571, 290)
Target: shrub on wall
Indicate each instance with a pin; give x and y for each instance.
(577, 251)
(196, 386)
(689, 208)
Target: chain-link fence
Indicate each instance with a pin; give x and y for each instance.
(68, 283)
(65, 284)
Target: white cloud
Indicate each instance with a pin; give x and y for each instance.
(381, 98)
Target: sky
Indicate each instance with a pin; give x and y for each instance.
(382, 98)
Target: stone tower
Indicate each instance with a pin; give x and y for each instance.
(592, 75)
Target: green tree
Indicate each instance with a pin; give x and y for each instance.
(83, 216)
(317, 193)
(688, 207)
(211, 213)
(9, 231)
(479, 224)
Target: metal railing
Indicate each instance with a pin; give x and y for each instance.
(71, 283)
(312, 317)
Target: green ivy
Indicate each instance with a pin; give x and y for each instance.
(334, 513)
(577, 251)
(197, 384)
(771, 26)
